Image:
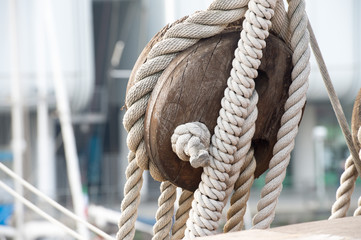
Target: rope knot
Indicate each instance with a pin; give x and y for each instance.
(190, 141)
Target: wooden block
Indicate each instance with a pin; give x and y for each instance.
(191, 89)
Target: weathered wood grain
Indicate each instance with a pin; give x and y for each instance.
(191, 88)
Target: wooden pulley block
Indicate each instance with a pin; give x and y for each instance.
(191, 89)
(356, 121)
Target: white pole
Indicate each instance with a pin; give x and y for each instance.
(46, 164)
(18, 143)
(52, 202)
(40, 212)
(320, 134)
(63, 108)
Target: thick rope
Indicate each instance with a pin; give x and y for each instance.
(131, 200)
(241, 194)
(210, 196)
(245, 179)
(290, 119)
(165, 211)
(190, 141)
(182, 214)
(200, 25)
(241, 159)
(244, 144)
(280, 22)
(345, 190)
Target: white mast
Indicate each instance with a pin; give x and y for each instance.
(17, 127)
(63, 108)
(46, 164)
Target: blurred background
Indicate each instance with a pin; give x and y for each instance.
(64, 67)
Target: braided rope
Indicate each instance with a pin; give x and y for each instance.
(244, 145)
(280, 22)
(131, 199)
(242, 161)
(182, 213)
(165, 211)
(290, 119)
(345, 190)
(241, 194)
(245, 180)
(210, 195)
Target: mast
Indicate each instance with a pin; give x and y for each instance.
(17, 121)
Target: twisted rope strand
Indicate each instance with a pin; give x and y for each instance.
(280, 22)
(245, 180)
(165, 211)
(345, 190)
(182, 214)
(290, 119)
(131, 199)
(241, 161)
(245, 141)
(241, 194)
(211, 194)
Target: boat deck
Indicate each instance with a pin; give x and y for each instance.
(338, 229)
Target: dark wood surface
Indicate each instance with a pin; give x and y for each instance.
(356, 120)
(191, 88)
